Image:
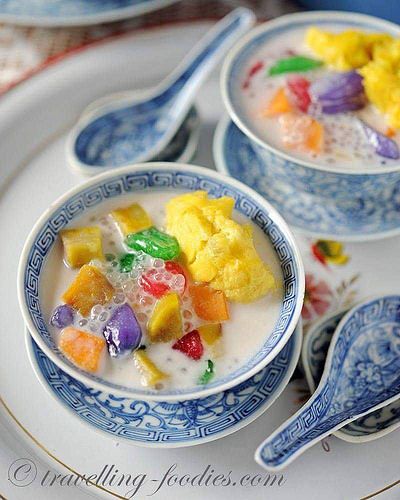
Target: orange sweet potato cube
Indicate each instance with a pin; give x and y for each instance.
(279, 104)
(315, 139)
(89, 288)
(82, 348)
(209, 304)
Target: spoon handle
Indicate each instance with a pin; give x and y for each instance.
(306, 427)
(205, 56)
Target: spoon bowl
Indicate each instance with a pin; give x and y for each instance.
(314, 350)
(137, 127)
(361, 375)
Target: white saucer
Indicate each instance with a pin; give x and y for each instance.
(36, 118)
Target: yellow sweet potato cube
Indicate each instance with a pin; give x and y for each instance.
(151, 373)
(165, 323)
(82, 348)
(210, 332)
(131, 219)
(89, 288)
(81, 245)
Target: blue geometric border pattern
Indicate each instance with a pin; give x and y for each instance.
(317, 349)
(364, 371)
(162, 422)
(154, 181)
(303, 210)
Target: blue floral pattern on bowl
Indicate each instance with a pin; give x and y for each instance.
(153, 178)
(181, 423)
(314, 352)
(355, 198)
(235, 155)
(362, 372)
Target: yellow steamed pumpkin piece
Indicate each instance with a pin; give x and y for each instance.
(165, 323)
(89, 288)
(215, 248)
(81, 245)
(131, 219)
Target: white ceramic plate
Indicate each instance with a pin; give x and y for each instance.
(74, 12)
(36, 116)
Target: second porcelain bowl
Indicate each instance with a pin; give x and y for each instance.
(153, 178)
(356, 194)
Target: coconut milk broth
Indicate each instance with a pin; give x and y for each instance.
(345, 142)
(246, 331)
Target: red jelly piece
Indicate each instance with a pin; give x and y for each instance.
(298, 86)
(258, 66)
(190, 344)
(149, 284)
(175, 268)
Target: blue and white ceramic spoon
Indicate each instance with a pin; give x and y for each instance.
(362, 374)
(136, 129)
(314, 351)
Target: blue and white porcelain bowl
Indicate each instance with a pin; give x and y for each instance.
(354, 194)
(156, 178)
(165, 424)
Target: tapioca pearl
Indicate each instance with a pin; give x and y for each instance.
(188, 326)
(187, 314)
(118, 298)
(180, 280)
(158, 263)
(141, 316)
(83, 322)
(96, 311)
(127, 286)
(93, 327)
(147, 300)
(103, 316)
(134, 274)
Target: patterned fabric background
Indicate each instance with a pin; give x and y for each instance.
(23, 50)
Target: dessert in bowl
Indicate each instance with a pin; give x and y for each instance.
(161, 281)
(316, 95)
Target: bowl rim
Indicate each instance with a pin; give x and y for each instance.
(167, 167)
(314, 16)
